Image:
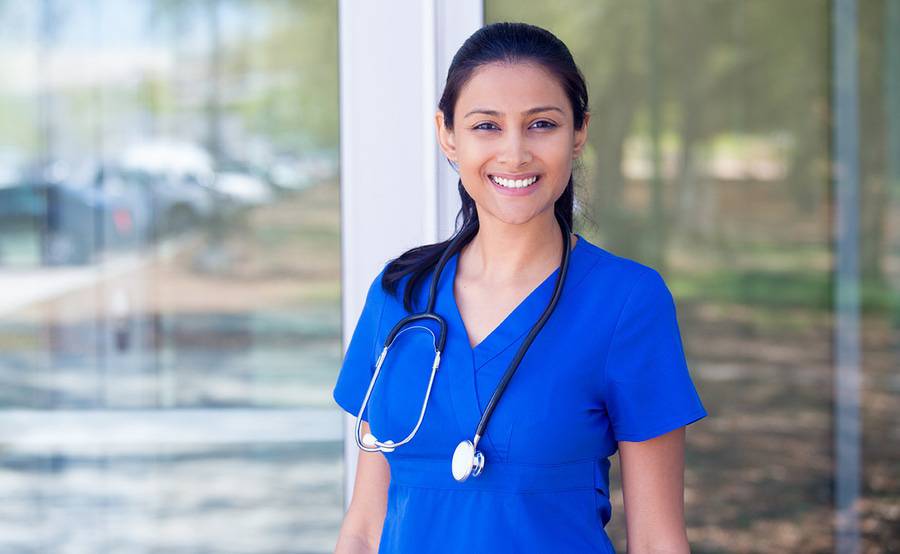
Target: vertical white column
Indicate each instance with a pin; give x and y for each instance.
(456, 21)
(396, 192)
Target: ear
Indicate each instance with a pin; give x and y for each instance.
(581, 136)
(445, 137)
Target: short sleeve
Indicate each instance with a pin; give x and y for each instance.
(647, 387)
(359, 360)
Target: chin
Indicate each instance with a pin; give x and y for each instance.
(516, 217)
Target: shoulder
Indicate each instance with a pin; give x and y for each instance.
(614, 276)
(375, 295)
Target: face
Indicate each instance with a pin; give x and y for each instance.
(514, 141)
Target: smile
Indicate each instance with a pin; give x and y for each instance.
(514, 183)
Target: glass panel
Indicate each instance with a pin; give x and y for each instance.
(169, 257)
(238, 497)
(879, 269)
(710, 159)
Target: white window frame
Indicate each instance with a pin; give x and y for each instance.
(397, 191)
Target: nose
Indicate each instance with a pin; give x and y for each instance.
(514, 150)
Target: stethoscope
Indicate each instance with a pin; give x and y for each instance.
(467, 459)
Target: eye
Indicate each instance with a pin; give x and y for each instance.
(480, 128)
(549, 124)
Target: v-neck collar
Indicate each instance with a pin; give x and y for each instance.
(516, 324)
(467, 405)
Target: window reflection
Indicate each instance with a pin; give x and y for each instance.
(169, 251)
(710, 158)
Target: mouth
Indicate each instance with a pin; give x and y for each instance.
(518, 183)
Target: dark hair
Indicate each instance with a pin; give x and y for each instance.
(503, 42)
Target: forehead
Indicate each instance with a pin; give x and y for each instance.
(511, 89)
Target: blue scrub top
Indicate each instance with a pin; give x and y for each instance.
(608, 365)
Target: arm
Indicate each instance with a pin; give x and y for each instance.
(361, 529)
(653, 488)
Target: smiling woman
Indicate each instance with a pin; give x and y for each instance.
(605, 369)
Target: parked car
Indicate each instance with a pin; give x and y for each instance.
(244, 185)
(174, 203)
(75, 222)
(180, 180)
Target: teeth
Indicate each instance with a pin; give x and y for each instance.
(513, 184)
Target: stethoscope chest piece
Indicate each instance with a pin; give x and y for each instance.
(467, 461)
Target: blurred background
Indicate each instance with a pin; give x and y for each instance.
(170, 262)
(169, 276)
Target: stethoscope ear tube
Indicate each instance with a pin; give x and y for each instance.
(369, 443)
(442, 325)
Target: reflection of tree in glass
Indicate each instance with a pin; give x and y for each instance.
(709, 159)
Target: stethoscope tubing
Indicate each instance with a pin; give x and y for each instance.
(389, 445)
(514, 365)
(370, 443)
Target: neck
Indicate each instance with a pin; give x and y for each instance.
(503, 253)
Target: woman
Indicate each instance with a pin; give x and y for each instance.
(606, 372)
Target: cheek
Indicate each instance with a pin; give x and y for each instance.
(559, 152)
(474, 153)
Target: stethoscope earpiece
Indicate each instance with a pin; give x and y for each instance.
(369, 441)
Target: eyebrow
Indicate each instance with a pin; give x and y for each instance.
(495, 113)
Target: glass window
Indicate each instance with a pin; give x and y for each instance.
(710, 158)
(169, 276)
